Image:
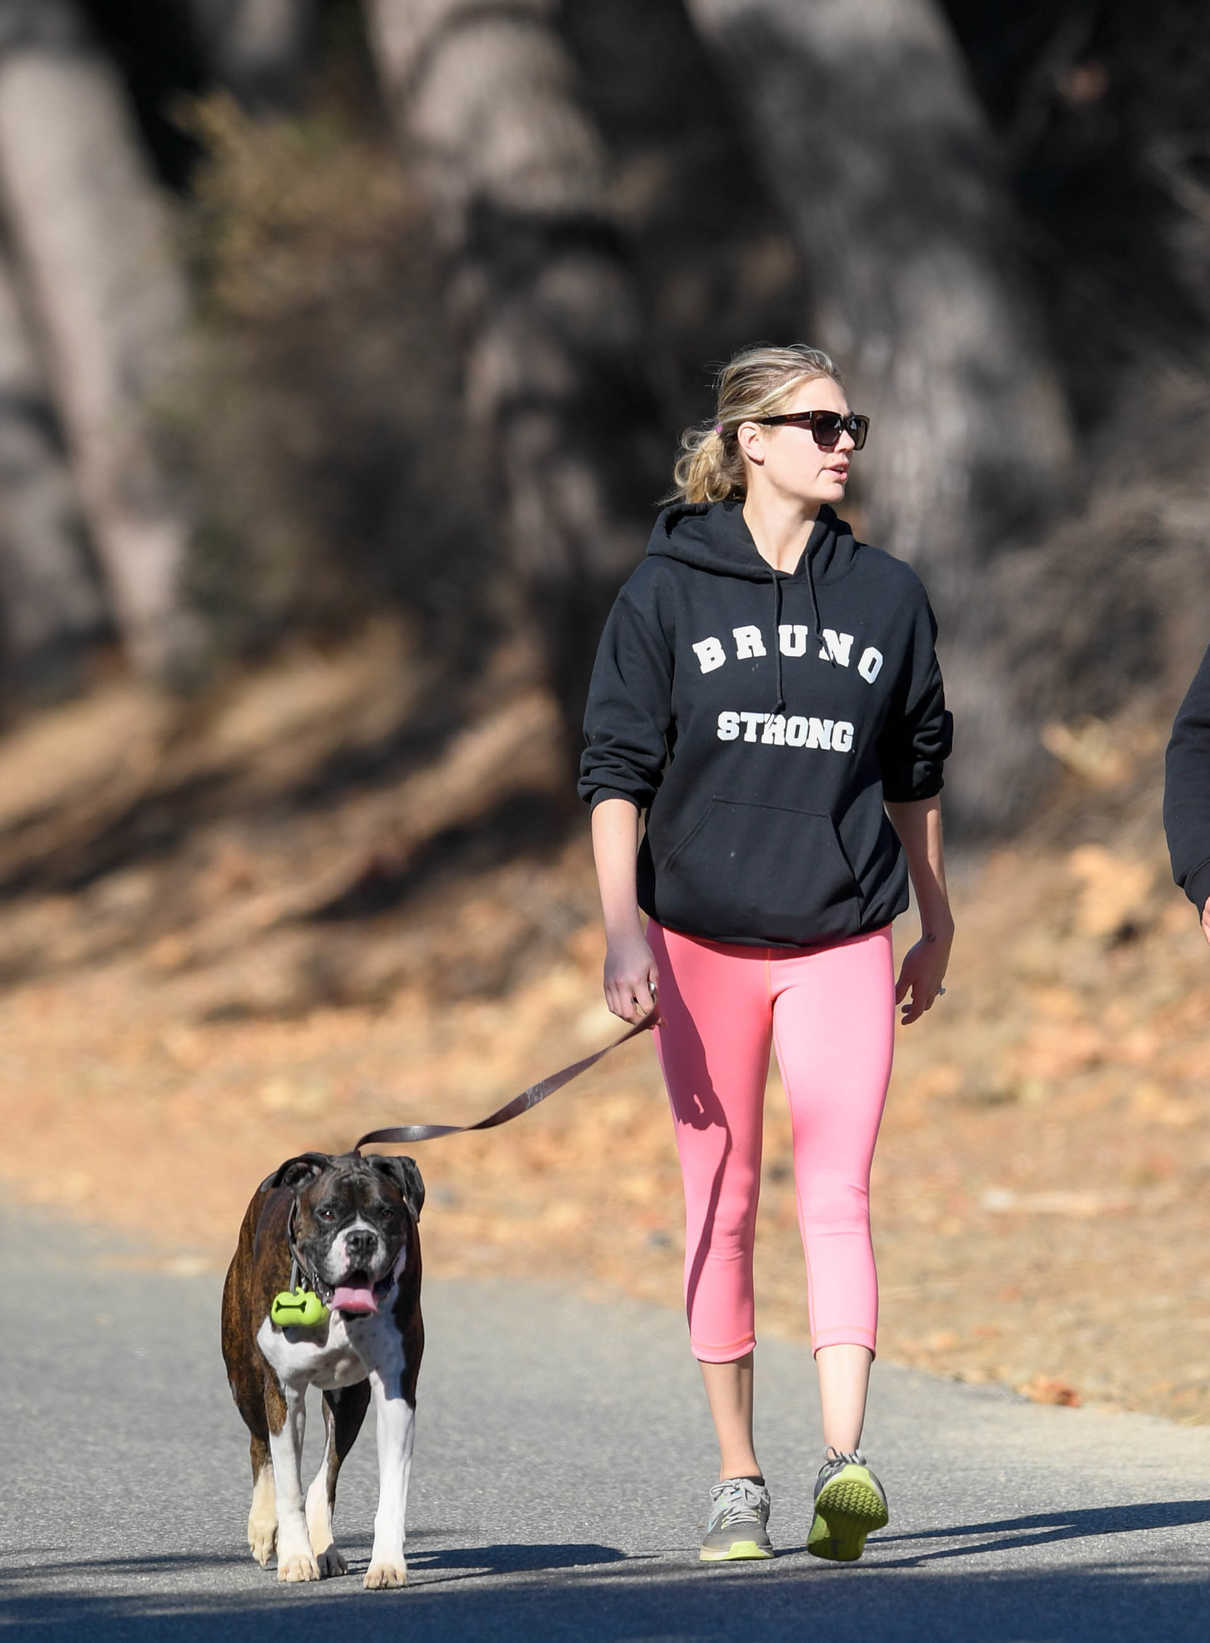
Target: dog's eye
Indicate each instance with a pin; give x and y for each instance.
(325, 1212)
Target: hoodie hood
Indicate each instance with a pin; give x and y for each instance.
(714, 536)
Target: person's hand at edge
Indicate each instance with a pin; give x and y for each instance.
(921, 975)
(631, 977)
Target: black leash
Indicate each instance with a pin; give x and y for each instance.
(514, 1108)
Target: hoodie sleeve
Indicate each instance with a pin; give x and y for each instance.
(629, 709)
(920, 733)
(1187, 790)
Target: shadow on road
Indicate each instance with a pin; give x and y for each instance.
(460, 1562)
(557, 1597)
(1040, 1529)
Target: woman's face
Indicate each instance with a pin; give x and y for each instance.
(788, 461)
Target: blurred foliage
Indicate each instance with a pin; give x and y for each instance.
(1103, 120)
(324, 438)
(323, 446)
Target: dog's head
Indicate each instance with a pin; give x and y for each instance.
(353, 1222)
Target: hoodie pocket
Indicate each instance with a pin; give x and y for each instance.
(759, 872)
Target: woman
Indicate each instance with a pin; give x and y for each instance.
(766, 693)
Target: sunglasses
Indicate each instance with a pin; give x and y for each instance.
(826, 426)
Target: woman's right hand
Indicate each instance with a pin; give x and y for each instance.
(631, 976)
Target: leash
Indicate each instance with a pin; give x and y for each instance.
(511, 1109)
(300, 1307)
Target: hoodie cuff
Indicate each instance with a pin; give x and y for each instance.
(926, 784)
(601, 793)
(1197, 884)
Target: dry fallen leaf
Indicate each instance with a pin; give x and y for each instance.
(1050, 1389)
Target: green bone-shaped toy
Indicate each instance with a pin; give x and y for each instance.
(297, 1309)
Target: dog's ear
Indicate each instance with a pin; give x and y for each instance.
(406, 1176)
(296, 1170)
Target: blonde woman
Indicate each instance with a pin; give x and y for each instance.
(766, 696)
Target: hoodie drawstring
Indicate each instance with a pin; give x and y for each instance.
(780, 706)
(781, 698)
(815, 608)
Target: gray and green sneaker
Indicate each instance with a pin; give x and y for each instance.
(739, 1513)
(849, 1503)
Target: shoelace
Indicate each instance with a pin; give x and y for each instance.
(835, 1461)
(844, 1457)
(739, 1502)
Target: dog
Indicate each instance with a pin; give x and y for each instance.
(324, 1290)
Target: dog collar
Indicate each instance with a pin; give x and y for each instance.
(300, 1306)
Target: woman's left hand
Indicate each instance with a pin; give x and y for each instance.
(921, 975)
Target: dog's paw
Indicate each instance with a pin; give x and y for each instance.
(382, 1577)
(262, 1518)
(299, 1566)
(331, 1562)
(262, 1538)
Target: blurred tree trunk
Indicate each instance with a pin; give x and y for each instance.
(867, 133)
(257, 49)
(51, 607)
(91, 232)
(718, 263)
(543, 297)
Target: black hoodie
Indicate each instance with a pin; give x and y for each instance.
(759, 719)
(1187, 790)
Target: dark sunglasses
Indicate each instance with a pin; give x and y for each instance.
(826, 426)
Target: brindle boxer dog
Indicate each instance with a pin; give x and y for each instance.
(324, 1290)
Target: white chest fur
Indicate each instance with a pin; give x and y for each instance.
(340, 1354)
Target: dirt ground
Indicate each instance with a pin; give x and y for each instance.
(316, 905)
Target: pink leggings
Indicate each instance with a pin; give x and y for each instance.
(830, 1012)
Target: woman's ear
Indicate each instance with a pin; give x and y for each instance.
(751, 439)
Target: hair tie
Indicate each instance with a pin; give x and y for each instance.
(718, 428)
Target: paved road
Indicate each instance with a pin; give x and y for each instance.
(562, 1461)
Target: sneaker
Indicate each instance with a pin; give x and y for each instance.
(849, 1503)
(739, 1512)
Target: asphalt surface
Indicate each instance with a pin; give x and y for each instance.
(562, 1462)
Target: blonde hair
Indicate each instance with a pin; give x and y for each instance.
(757, 382)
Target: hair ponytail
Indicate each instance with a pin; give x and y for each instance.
(710, 467)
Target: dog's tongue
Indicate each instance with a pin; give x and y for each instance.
(353, 1299)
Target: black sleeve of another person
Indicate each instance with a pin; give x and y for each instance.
(1187, 790)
